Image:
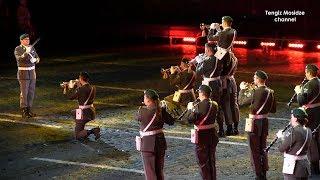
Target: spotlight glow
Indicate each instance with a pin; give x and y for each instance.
(271, 44)
(189, 39)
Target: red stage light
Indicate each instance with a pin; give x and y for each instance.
(295, 45)
(318, 47)
(271, 44)
(189, 39)
(240, 42)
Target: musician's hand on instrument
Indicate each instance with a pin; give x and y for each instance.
(298, 89)
(64, 84)
(190, 106)
(172, 70)
(214, 25)
(33, 60)
(28, 49)
(243, 85)
(38, 60)
(163, 104)
(280, 135)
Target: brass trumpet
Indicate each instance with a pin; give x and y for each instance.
(166, 72)
(205, 25)
(248, 86)
(69, 85)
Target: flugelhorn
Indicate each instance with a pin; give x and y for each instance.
(247, 86)
(69, 85)
(166, 72)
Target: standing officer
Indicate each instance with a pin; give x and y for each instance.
(229, 100)
(151, 141)
(210, 69)
(203, 115)
(295, 146)
(308, 96)
(262, 101)
(85, 94)
(183, 78)
(26, 57)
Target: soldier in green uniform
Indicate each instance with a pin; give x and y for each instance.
(85, 94)
(295, 144)
(151, 142)
(27, 58)
(308, 96)
(183, 79)
(262, 102)
(203, 115)
(229, 102)
(210, 69)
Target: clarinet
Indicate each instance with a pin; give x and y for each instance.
(294, 96)
(275, 139)
(197, 101)
(316, 129)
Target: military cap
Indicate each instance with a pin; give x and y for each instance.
(206, 89)
(312, 67)
(152, 94)
(299, 113)
(211, 46)
(23, 36)
(84, 75)
(261, 74)
(227, 19)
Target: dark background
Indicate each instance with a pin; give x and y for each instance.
(70, 26)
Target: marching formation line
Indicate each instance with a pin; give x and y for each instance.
(91, 149)
(87, 165)
(17, 115)
(170, 137)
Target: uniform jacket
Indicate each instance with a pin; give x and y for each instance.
(256, 98)
(23, 60)
(292, 143)
(309, 92)
(156, 142)
(208, 136)
(224, 39)
(181, 80)
(207, 67)
(81, 94)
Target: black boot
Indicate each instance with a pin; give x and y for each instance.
(31, 113)
(24, 113)
(229, 131)
(262, 176)
(235, 129)
(221, 133)
(95, 132)
(315, 168)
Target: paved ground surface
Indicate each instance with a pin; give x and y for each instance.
(43, 148)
